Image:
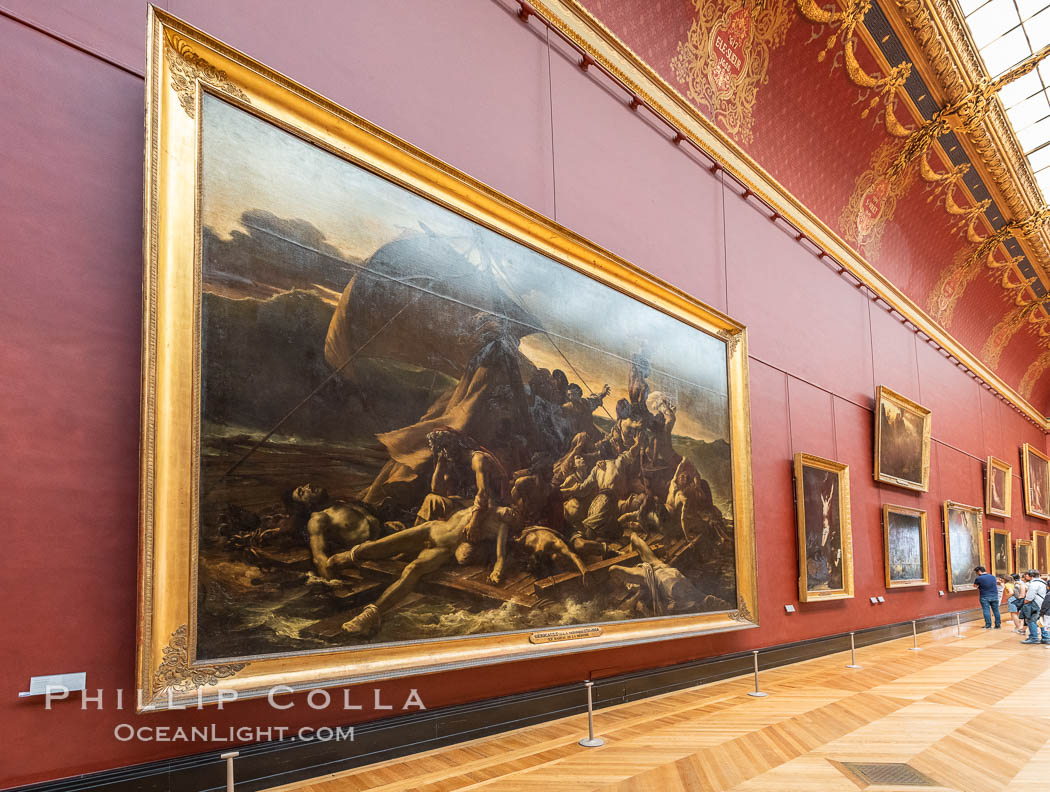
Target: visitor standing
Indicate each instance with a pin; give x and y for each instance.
(1033, 601)
(1015, 599)
(988, 592)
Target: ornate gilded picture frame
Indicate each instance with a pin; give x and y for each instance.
(1041, 550)
(1001, 559)
(905, 551)
(1024, 558)
(1035, 465)
(902, 441)
(998, 487)
(963, 544)
(412, 423)
(825, 539)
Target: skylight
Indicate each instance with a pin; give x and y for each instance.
(1007, 32)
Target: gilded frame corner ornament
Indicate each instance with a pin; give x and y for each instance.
(841, 473)
(887, 510)
(992, 464)
(182, 64)
(885, 396)
(950, 506)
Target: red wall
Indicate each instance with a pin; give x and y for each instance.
(465, 80)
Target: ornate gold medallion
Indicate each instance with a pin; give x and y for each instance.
(873, 202)
(725, 58)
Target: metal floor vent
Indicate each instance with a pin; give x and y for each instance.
(888, 774)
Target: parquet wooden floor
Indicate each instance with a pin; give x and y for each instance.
(970, 712)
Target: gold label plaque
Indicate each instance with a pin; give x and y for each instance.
(570, 634)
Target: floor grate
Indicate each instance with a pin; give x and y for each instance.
(887, 774)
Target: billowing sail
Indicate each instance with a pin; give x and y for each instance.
(418, 300)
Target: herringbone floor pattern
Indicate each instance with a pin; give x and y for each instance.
(971, 712)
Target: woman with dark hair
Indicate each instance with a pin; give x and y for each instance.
(1015, 598)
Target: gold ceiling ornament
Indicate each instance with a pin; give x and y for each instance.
(1033, 374)
(987, 245)
(873, 202)
(177, 674)
(725, 58)
(844, 24)
(966, 114)
(950, 286)
(1023, 312)
(946, 46)
(187, 67)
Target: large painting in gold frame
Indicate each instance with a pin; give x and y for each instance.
(902, 441)
(1001, 559)
(963, 544)
(906, 555)
(998, 487)
(1024, 558)
(1041, 550)
(193, 78)
(825, 538)
(1035, 465)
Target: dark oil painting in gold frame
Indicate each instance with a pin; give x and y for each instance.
(825, 540)
(1035, 466)
(902, 441)
(1024, 557)
(1041, 550)
(377, 437)
(998, 487)
(906, 554)
(963, 544)
(1001, 559)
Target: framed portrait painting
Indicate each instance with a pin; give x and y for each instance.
(1041, 550)
(1002, 561)
(902, 441)
(904, 545)
(395, 422)
(1036, 467)
(825, 543)
(1024, 556)
(998, 487)
(963, 544)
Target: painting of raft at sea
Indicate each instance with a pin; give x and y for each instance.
(413, 428)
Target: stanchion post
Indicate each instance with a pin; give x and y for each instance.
(590, 741)
(958, 625)
(229, 757)
(914, 638)
(852, 653)
(756, 692)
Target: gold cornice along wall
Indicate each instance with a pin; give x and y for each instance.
(601, 45)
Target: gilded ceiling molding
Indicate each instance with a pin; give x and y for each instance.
(1034, 373)
(1025, 311)
(844, 24)
(599, 44)
(947, 47)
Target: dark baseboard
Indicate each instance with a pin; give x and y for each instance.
(268, 764)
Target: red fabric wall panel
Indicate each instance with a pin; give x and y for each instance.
(613, 168)
(800, 317)
(468, 82)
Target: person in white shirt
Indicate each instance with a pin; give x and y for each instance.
(1033, 601)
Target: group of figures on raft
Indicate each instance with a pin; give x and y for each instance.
(543, 491)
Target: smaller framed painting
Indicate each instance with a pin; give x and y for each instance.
(997, 487)
(963, 544)
(1041, 550)
(902, 441)
(1023, 555)
(1002, 558)
(904, 542)
(825, 541)
(1036, 468)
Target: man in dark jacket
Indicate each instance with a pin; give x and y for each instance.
(988, 592)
